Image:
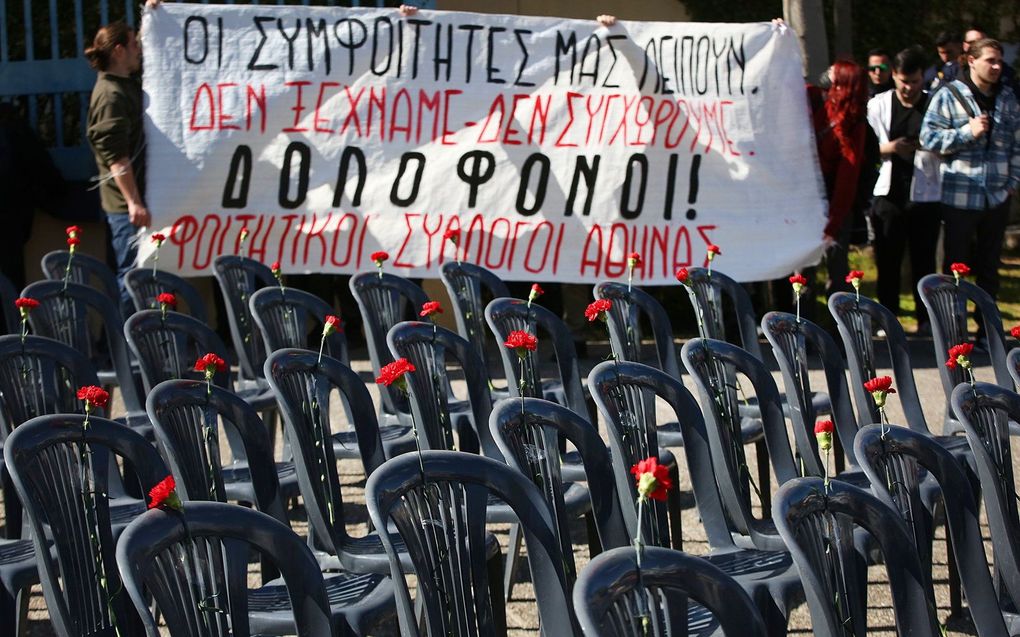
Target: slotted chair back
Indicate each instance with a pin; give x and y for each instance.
(85, 269)
(291, 318)
(144, 288)
(625, 325)
(239, 277)
(471, 287)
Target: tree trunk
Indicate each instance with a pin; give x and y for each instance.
(807, 18)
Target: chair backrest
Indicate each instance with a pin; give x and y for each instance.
(985, 411)
(527, 432)
(385, 301)
(471, 287)
(144, 286)
(711, 290)
(11, 321)
(438, 502)
(85, 269)
(792, 342)
(38, 377)
(614, 597)
(68, 315)
(629, 305)
(506, 315)
(204, 550)
(714, 366)
(817, 523)
(168, 347)
(185, 415)
(239, 277)
(1013, 365)
(857, 321)
(430, 349)
(946, 303)
(625, 395)
(47, 458)
(891, 459)
(302, 386)
(288, 317)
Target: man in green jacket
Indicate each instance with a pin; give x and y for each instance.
(117, 140)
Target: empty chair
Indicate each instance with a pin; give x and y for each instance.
(190, 569)
(18, 573)
(614, 597)
(144, 286)
(527, 432)
(946, 303)
(471, 287)
(817, 523)
(85, 269)
(11, 321)
(629, 306)
(714, 366)
(239, 278)
(895, 462)
(985, 412)
(289, 317)
(186, 417)
(68, 314)
(437, 502)
(385, 301)
(55, 463)
(793, 341)
(626, 394)
(303, 385)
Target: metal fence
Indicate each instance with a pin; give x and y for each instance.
(43, 71)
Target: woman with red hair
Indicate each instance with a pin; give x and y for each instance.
(840, 132)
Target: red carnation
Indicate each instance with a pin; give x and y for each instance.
(379, 257)
(1015, 332)
(682, 275)
(165, 493)
(958, 355)
(276, 270)
(823, 434)
(331, 324)
(536, 291)
(881, 383)
(960, 269)
(652, 479)
(634, 260)
(521, 342)
(158, 238)
(73, 241)
(73, 231)
(855, 275)
(713, 251)
(394, 372)
(598, 309)
(430, 308)
(167, 299)
(210, 364)
(94, 396)
(453, 236)
(27, 304)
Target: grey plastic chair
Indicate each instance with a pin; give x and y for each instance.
(44, 456)
(895, 462)
(438, 502)
(239, 278)
(18, 573)
(527, 433)
(947, 307)
(68, 315)
(613, 597)
(189, 568)
(714, 366)
(985, 412)
(85, 269)
(818, 527)
(291, 318)
(186, 417)
(625, 317)
(144, 288)
(626, 395)
(471, 287)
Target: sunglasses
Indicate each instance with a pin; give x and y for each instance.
(878, 67)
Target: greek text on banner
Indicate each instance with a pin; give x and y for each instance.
(556, 147)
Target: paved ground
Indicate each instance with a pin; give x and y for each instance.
(522, 616)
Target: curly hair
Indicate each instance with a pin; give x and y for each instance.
(846, 103)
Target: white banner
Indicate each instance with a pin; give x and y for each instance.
(556, 147)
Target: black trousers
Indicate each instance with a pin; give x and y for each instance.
(900, 225)
(975, 237)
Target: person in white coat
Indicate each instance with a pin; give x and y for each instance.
(905, 212)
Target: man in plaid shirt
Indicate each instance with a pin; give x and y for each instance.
(974, 123)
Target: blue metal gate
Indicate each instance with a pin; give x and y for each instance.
(44, 73)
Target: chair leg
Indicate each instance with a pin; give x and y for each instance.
(676, 535)
(764, 478)
(955, 597)
(12, 508)
(21, 628)
(496, 597)
(513, 551)
(594, 543)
